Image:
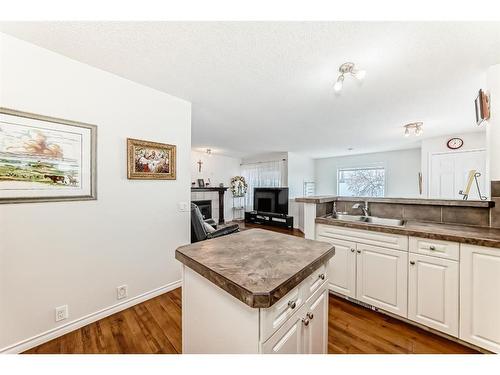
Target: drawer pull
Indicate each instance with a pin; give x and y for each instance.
(412, 262)
(305, 321)
(359, 251)
(292, 304)
(310, 315)
(432, 247)
(352, 250)
(321, 276)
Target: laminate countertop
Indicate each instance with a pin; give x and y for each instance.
(480, 236)
(256, 266)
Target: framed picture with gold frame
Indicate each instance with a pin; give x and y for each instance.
(150, 160)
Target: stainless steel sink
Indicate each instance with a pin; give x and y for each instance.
(382, 221)
(346, 217)
(369, 219)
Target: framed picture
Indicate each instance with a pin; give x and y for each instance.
(44, 159)
(201, 182)
(150, 160)
(482, 105)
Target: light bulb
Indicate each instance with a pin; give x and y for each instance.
(407, 132)
(360, 74)
(338, 85)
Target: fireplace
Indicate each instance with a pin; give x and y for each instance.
(205, 208)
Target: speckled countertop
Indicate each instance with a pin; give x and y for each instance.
(481, 236)
(256, 266)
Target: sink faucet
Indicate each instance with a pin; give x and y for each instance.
(363, 207)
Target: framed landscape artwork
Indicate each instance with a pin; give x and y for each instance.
(46, 159)
(150, 160)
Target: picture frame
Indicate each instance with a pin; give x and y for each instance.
(201, 183)
(482, 107)
(148, 160)
(46, 159)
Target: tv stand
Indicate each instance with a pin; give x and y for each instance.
(268, 218)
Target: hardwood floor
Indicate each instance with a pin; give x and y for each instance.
(154, 326)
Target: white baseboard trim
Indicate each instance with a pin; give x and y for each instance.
(87, 319)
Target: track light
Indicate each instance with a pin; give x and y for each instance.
(416, 127)
(348, 68)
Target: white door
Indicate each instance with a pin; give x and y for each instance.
(316, 332)
(382, 278)
(433, 292)
(342, 267)
(480, 296)
(289, 338)
(449, 171)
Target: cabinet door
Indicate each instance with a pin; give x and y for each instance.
(342, 267)
(316, 331)
(382, 278)
(433, 293)
(480, 296)
(289, 338)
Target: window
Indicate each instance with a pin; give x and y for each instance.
(361, 182)
(262, 174)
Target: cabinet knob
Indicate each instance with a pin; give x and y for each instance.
(432, 247)
(412, 262)
(310, 315)
(305, 321)
(359, 251)
(292, 304)
(352, 250)
(321, 276)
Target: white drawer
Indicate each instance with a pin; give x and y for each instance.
(275, 316)
(388, 240)
(437, 248)
(272, 318)
(314, 281)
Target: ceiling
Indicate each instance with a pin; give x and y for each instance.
(268, 86)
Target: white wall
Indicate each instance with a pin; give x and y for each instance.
(300, 170)
(220, 169)
(472, 141)
(493, 124)
(77, 253)
(401, 171)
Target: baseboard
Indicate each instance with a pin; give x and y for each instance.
(87, 319)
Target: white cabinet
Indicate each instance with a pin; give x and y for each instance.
(316, 332)
(480, 296)
(433, 292)
(382, 278)
(342, 268)
(289, 338)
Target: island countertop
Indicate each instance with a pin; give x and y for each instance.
(256, 266)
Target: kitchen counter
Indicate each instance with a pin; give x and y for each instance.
(480, 236)
(256, 266)
(414, 201)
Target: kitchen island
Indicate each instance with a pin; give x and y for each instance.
(255, 292)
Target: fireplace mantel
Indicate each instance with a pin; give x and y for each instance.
(221, 191)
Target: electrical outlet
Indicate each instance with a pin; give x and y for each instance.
(121, 292)
(61, 313)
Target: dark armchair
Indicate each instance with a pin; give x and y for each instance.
(199, 231)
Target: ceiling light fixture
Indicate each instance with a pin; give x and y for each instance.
(348, 68)
(417, 128)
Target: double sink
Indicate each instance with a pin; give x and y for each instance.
(369, 219)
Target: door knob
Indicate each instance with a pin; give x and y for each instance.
(412, 262)
(352, 250)
(310, 315)
(292, 304)
(359, 251)
(305, 321)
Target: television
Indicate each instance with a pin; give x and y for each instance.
(271, 200)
